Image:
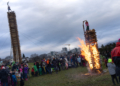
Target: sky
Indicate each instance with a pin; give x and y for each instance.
(47, 25)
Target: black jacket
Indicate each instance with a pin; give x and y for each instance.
(4, 76)
(54, 62)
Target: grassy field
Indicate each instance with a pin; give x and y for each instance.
(70, 77)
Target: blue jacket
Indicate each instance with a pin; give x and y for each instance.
(14, 78)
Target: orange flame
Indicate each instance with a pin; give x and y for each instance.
(91, 54)
(86, 53)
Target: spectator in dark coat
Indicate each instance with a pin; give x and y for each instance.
(54, 62)
(14, 67)
(62, 62)
(4, 77)
(37, 64)
(58, 61)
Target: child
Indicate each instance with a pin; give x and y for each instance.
(32, 71)
(20, 69)
(21, 80)
(18, 75)
(40, 70)
(28, 72)
(14, 80)
(111, 68)
(25, 72)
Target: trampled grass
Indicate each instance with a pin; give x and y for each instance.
(70, 77)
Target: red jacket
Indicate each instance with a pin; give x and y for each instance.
(32, 70)
(116, 51)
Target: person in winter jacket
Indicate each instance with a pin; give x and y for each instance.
(4, 77)
(79, 60)
(62, 62)
(115, 54)
(40, 70)
(21, 80)
(73, 59)
(37, 64)
(36, 70)
(14, 67)
(32, 71)
(111, 68)
(14, 80)
(58, 61)
(48, 67)
(54, 62)
(25, 72)
(44, 65)
(66, 62)
(20, 69)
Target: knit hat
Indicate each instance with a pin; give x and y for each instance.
(109, 60)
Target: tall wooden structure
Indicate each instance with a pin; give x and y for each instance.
(14, 36)
(91, 39)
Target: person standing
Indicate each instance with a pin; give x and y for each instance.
(111, 68)
(25, 72)
(4, 77)
(58, 65)
(48, 67)
(87, 25)
(54, 62)
(73, 59)
(62, 62)
(37, 64)
(66, 62)
(32, 71)
(35, 69)
(44, 65)
(40, 70)
(115, 54)
(79, 60)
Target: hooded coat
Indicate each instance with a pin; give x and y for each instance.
(115, 54)
(4, 76)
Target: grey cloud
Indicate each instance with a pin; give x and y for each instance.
(53, 23)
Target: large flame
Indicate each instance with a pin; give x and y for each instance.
(91, 55)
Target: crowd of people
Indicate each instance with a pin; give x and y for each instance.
(14, 74)
(57, 64)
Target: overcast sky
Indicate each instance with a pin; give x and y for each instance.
(46, 25)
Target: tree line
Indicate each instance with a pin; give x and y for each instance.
(106, 48)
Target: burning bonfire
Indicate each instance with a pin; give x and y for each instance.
(91, 54)
(90, 51)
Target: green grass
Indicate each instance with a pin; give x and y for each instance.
(70, 77)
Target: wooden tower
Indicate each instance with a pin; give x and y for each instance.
(14, 35)
(91, 39)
